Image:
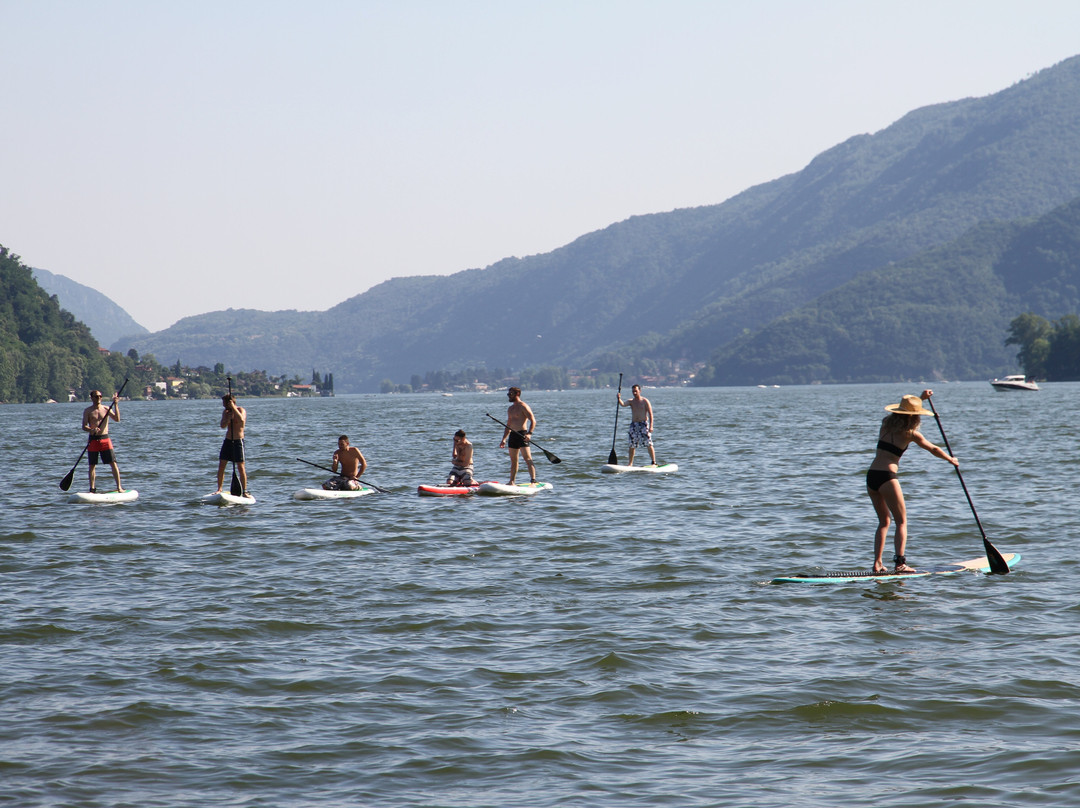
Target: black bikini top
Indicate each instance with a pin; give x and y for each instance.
(885, 446)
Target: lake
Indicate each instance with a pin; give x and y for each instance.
(612, 642)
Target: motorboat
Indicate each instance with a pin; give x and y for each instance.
(1009, 383)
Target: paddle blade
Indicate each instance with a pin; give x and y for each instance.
(552, 458)
(613, 459)
(234, 487)
(998, 564)
(65, 483)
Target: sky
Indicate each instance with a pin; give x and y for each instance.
(199, 155)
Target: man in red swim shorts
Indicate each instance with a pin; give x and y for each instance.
(95, 420)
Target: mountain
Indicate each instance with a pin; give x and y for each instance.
(107, 321)
(943, 313)
(692, 284)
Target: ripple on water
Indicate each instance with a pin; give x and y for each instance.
(613, 642)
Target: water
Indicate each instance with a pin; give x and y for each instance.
(613, 642)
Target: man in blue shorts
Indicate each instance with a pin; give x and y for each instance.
(642, 423)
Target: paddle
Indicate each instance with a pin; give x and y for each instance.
(65, 483)
(612, 458)
(234, 487)
(998, 564)
(551, 457)
(326, 468)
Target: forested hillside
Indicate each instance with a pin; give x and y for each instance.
(44, 350)
(683, 285)
(944, 313)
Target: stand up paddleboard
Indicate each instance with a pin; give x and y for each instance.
(322, 493)
(516, 490)
(104, 497)
(447, 490)
(225, 498)
(974, 565)
(663, 468)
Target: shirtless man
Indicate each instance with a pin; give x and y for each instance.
(642, 423)
(352, 463)
(518, 415)
(233, 419)
(95, 420)
(461, 464)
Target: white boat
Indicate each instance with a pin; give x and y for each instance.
(1017, 382)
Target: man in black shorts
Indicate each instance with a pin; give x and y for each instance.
(520, 423)
(233, 420)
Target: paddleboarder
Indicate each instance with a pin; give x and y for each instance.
(352, 464)
(642, 423)
(520, 423)
(95, 420)
(233, 421)
(461, 461)
(898, 430)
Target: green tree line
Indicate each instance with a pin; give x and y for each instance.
(45, 353)
(1047, 350)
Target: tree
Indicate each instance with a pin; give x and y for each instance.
(1032, 333)
(1063, 356)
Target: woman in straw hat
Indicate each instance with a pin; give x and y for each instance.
(898, 429)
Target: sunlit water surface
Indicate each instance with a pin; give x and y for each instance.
(613, 642)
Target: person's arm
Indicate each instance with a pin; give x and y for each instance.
(649, 415)
(115, 411)
(530, 419)
(363, 463)
(936, 451)
(334, 462)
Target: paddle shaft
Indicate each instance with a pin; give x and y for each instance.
(327, 468)
(549, 455)
(613, 459)
(997, 562)
(65, 483)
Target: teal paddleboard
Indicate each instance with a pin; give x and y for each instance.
(974, 565)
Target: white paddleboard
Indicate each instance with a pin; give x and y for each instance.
(516, 490)
(322, 493)
(225, 498)
(664, 468)
(104, 497)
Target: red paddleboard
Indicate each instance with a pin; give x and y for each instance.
(447, 490)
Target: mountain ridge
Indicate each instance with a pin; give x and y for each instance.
(682, 284)
(107, 320)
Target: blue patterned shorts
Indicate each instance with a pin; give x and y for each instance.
(639, 434)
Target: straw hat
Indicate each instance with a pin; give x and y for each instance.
(909, 405)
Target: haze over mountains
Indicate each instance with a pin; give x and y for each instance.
(107, 321)
(902, 254)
